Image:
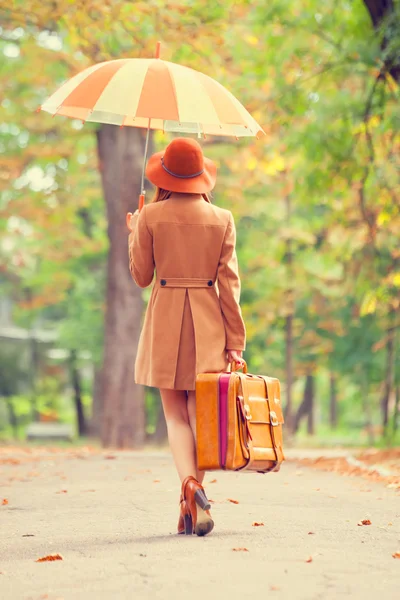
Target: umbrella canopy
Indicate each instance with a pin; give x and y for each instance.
(154, 94)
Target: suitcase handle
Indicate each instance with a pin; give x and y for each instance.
(234, 366)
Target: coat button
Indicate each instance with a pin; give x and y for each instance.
(163, 282)
(210, 283)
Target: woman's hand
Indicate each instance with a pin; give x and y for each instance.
(236, 355)
(131, 219)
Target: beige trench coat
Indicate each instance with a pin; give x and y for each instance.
(193, 316)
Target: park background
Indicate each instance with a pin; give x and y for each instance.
(316, 204)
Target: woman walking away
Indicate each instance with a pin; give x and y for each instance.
(193, 323)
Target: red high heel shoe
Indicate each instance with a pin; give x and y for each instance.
(195, 508)
(185, 520)
(182, 513)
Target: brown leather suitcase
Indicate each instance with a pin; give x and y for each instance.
(238, 421)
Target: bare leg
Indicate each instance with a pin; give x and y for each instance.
(180, 435)
(191, 405)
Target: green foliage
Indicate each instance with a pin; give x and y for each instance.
(316, 204)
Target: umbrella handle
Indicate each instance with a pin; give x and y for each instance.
(129, 214)
(128, 220)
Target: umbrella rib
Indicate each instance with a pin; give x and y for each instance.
(174, 89)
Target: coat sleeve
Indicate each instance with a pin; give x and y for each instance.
(141, 259)
(229, 291)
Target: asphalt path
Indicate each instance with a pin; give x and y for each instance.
(112, 517)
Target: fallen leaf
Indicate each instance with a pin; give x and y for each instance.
(364, 522)
(317, 489)
(233, 501)
(309, 559)
(255, 524)
(10, 461)
(311, 533)
(156, 481)
(390, 524)
(110, 456)
(211, 501)
(213, 481)
(274, 588)
(62, 492)
(396, 554)
(4, 502)
(240, 549)
(332, 496)
(49, 557)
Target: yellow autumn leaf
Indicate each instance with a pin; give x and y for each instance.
(373, 121)
(369, 304)
(251, 163)
(396, 279)
(383, 218)
(252, 40)
(361, 127)
(275, 165)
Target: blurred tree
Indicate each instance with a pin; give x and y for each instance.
(317, 206)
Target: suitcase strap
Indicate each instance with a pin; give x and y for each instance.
(269, 385)
(249, 441)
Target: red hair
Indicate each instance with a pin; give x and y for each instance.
(161, 194)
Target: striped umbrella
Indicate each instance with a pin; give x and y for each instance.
(153, 94)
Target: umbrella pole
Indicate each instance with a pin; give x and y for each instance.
(142, 190)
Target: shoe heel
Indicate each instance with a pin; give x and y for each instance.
(188, 524)
(201, 500)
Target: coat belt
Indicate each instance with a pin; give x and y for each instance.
(185, 282)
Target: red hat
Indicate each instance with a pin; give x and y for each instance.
(181, 167)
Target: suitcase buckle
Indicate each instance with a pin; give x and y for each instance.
(273, 418)
(247, 411)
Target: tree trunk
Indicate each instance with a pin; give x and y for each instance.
(388, 385)
(12, 417)
(120, 161)
(97, 404)
(306, 407)
(366, 407)
(332, 402)
(289, 370)
(289, 323)
(76, 384)
(311, 416)
(34, 360)
(381, 11)
(378, 9)
(396, 408)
